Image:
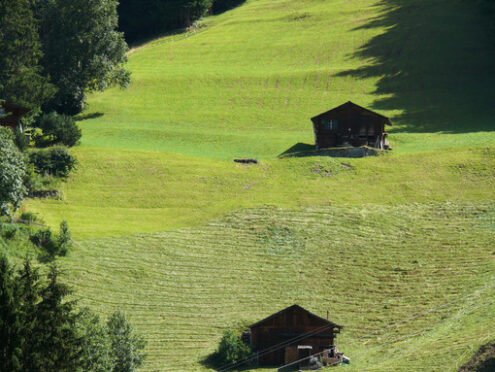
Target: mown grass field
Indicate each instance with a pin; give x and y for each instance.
(170, 230)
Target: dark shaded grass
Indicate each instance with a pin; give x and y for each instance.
(436, 62)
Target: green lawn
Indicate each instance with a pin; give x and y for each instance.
(370, 266)
(188, 242)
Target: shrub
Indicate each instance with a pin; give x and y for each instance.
(57, 129)
(30, 218)
(44, 240)
(9, 231)
(55, 161)
(64, 240)
(232, 349)
(51, 245)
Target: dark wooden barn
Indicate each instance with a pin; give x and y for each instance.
(11, 114)
(350, 125)
(292, 334)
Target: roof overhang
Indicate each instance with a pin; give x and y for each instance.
(330, 324)
(9, 107)
(350, 104)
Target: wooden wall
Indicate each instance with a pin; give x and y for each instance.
(356, 127)
(286, 326)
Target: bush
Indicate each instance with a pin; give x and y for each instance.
(44, 240)
(30, 218)
(9, 232)
(57, 129)
(51, 245)
(55, 161)
(232, 349)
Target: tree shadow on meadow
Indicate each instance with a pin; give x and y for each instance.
(435, 62)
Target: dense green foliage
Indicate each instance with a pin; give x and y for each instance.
(22, 79)
(56, 161)
(220, 6)
(126, 346)
(140, 18)
(231, 349)
(37, 322)
(51, 246)
(12, 174)
(57, 130)
(82, 50)
(41, 329)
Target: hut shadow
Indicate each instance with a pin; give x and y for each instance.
(297, 148)
(211, 362)
(92, 115)
(434, 63)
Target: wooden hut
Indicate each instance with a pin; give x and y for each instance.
(350, 125)
(292, 334)
(11, 114)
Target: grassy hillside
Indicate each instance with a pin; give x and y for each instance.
(369, 266)
(187, 242)
(121, 192)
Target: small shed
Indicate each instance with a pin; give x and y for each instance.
(292, 334)
(350, 125)
(11, 114)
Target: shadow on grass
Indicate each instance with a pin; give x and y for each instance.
(298, 147)
(212, 362)
(435, 62)
(92, 115)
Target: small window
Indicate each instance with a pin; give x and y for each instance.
(330, 124)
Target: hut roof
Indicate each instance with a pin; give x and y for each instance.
(297, 307)
(352, 105)
(12, 106)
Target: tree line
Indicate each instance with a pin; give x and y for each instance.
(145, 18)
(54, 51)
(42, 330)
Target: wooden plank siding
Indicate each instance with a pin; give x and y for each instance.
(351, 125)
(13, 114)
(300, 332)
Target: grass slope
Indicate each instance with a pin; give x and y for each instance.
(369, 266)
(373, 240)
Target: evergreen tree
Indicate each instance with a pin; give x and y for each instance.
(12, 173)
(126, 346)
(57, 336)
(96, 345)
(10, 320)
(21, 77)
(29, 282)
(40, 330)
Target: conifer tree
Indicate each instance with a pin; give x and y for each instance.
(21, 76)
(10, 320)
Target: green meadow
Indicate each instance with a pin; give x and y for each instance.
(187, 242)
